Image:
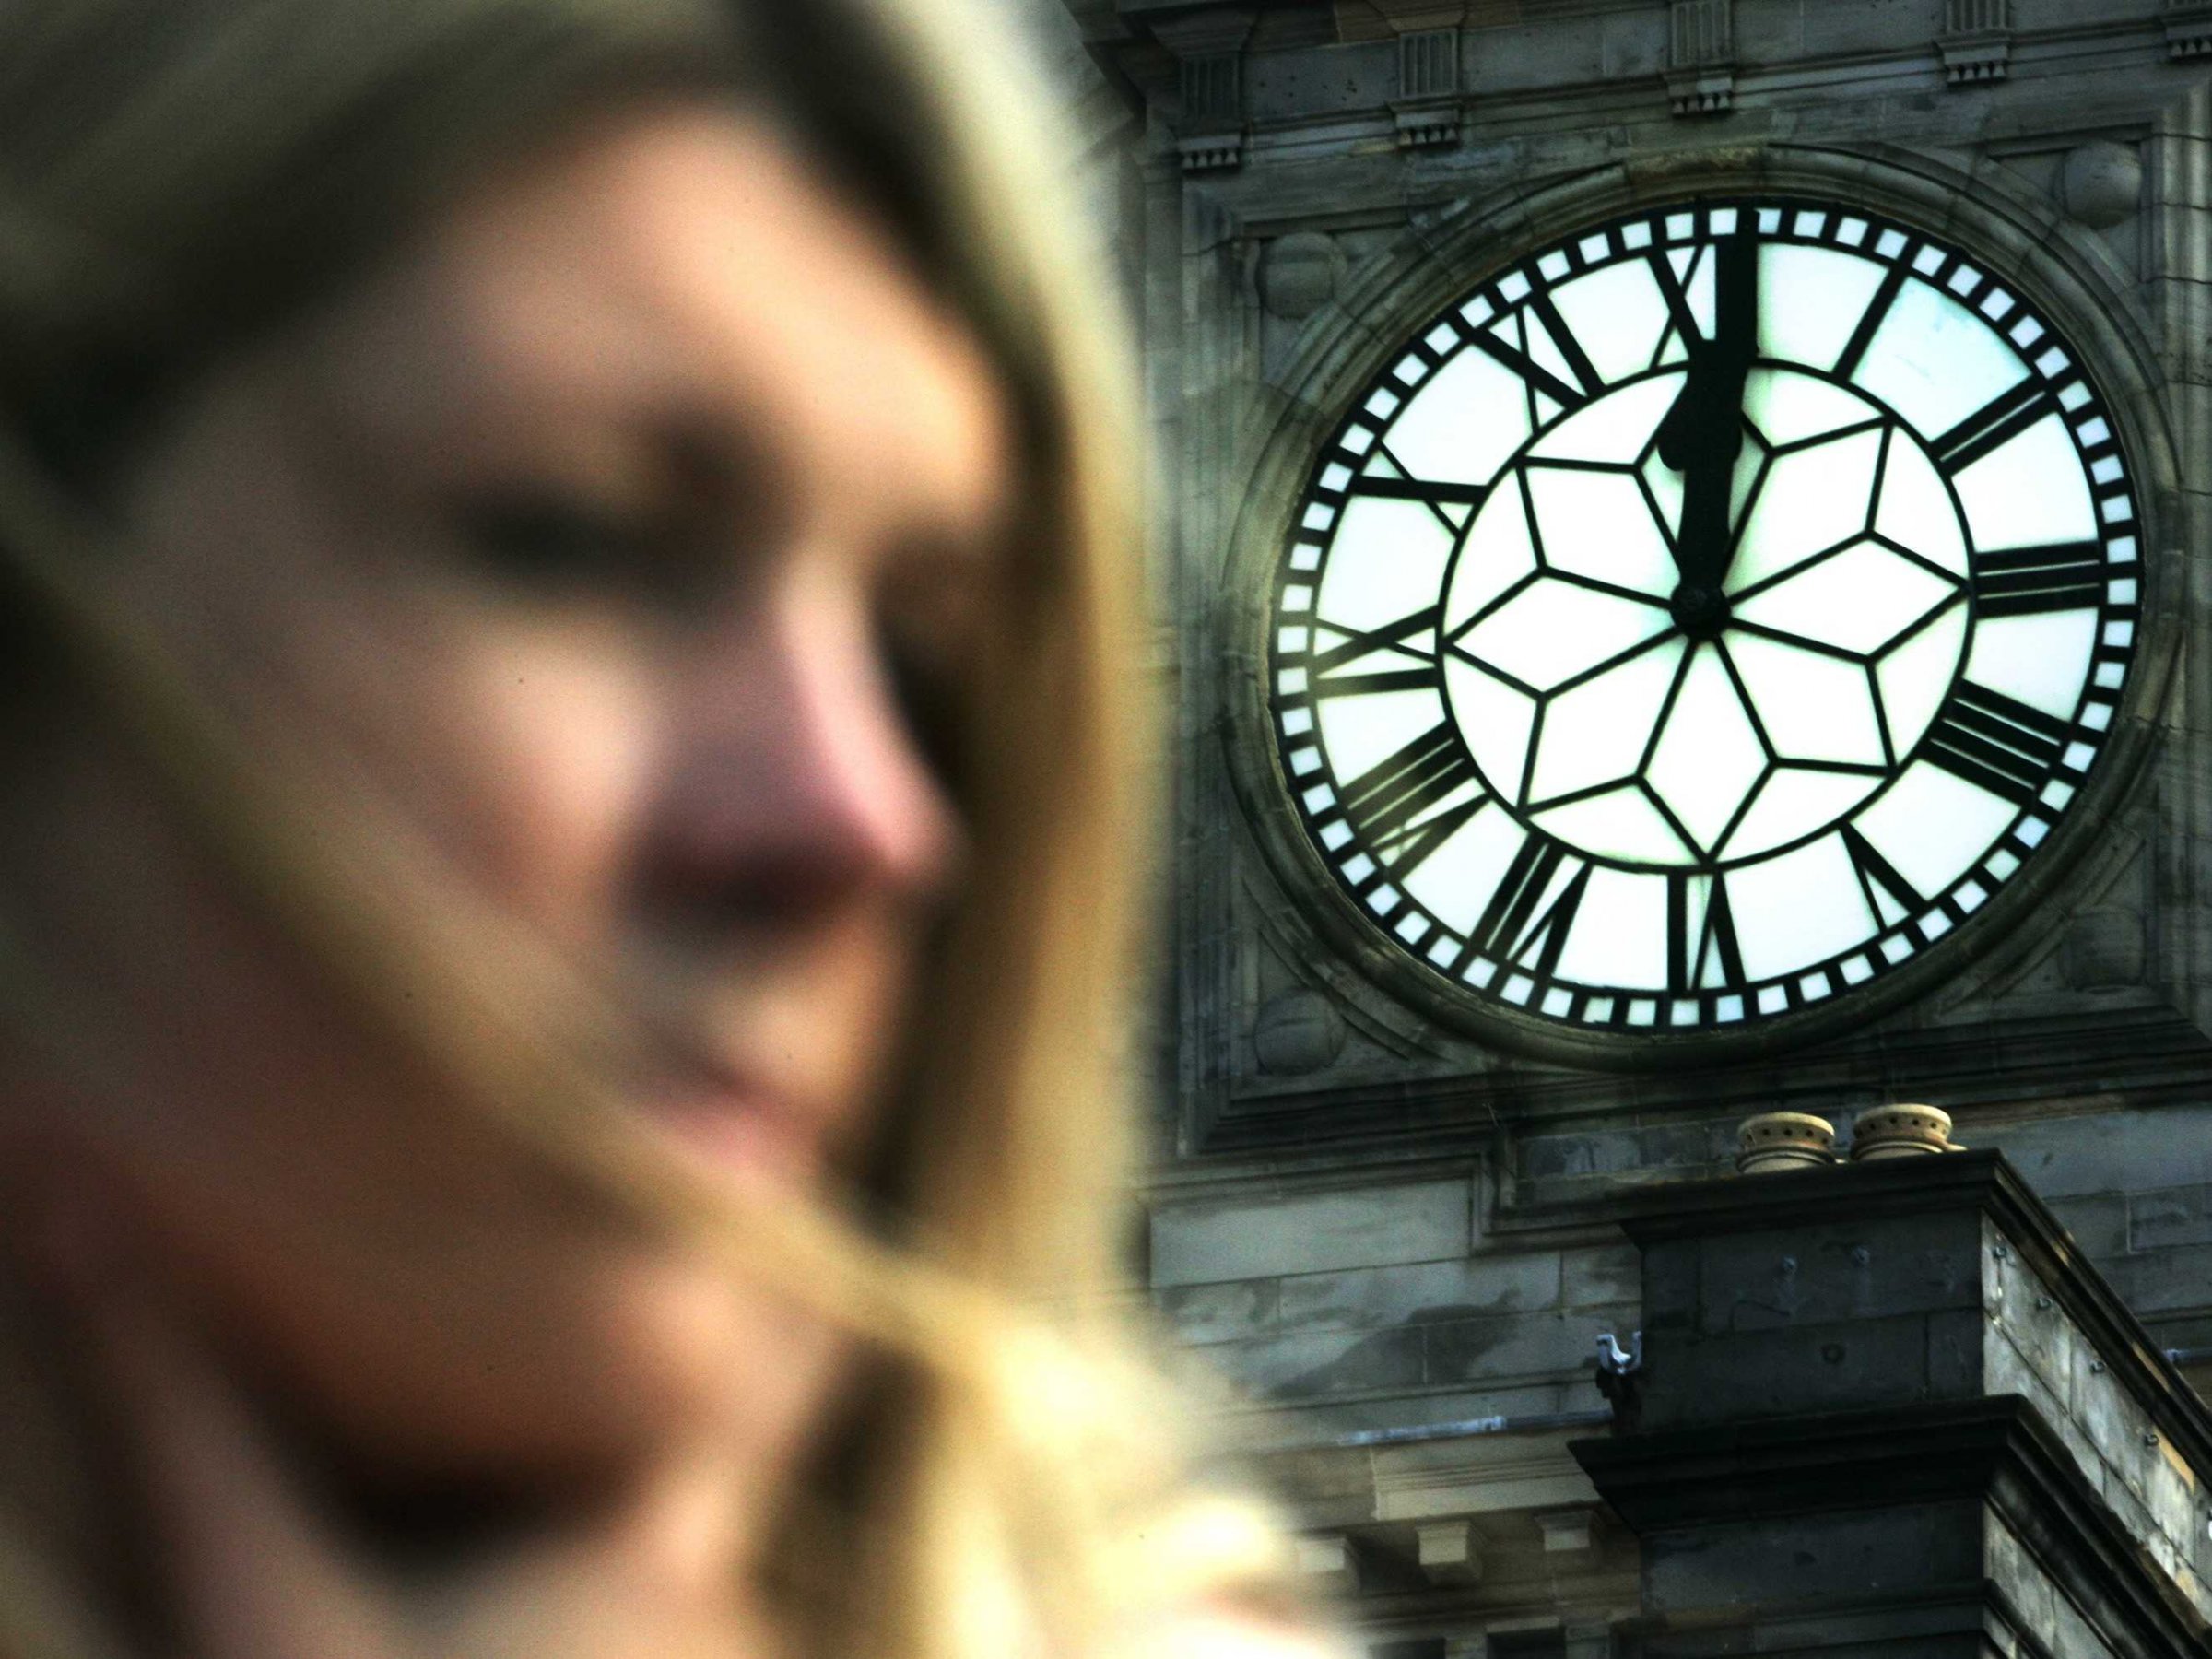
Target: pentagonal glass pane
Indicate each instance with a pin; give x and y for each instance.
(1862, 599)
(1810, 706)
(1617, 315)
(1554, 631)
(1623, 825)
(1709, 758)
(1814, 498)
(1811, 301)
(1599, 732)
(1794, 804)
(1600, 525)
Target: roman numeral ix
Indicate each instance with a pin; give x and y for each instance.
(1405, 635)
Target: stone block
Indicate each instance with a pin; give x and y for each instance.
(1956, 1340)
(1210, 1240)
(2173, 1496)
(2099, 1224)
(1665, 1146)
(2160, 1281)
(2108, 1426)
(2038, 1331)
(1422, 1293)
(1506, 1346)
(2168, 1218)
(1205, 1314)
(1670, 1286)
(1852, 1364)
(1311, 1366)
(1859, 1554)
(2009, 1565)
(1358, 1414)
(1602, 1275)
(2008, 1372)
(2107, 1152)
(1824, 1274)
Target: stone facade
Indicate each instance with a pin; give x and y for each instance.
(1403, 1245)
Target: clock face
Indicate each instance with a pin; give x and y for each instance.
(1704, 619)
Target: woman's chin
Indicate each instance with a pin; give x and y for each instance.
(570, 1380)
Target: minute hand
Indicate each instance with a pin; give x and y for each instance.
(1703, 435)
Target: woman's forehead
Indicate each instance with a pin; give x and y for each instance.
(680, 275)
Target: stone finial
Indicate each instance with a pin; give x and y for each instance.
(1900, 1132)
(1777, 1141)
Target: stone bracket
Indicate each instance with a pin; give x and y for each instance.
(1211, 152)
(1427, 125)
(1209, 53)
(1427, 106)
(1449, 1551)
(1700, 74)
(1976, 41)
(1329, 1560)
(2188, 29)
(1568, 1531)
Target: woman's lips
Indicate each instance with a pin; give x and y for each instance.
(738, 1127)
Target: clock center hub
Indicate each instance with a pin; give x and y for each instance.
(1699, 611)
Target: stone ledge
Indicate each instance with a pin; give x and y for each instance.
(1712, 1491)
(1979, 1181)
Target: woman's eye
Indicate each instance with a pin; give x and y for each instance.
(543, 542)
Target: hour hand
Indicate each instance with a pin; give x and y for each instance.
(1703, 434)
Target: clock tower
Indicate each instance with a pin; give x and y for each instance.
(1680, 551)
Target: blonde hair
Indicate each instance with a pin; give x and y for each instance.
(176, 174)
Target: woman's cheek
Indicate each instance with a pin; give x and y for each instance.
(540, 787)
(334, 1213)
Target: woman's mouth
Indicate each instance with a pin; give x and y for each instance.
(740, 1128)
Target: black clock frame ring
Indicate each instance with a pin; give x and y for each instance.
(2013, 235)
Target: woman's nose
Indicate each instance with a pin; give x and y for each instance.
(796, 784)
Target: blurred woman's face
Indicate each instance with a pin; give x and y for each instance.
(608, 529)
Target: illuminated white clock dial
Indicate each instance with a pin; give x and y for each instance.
(1704, 619)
